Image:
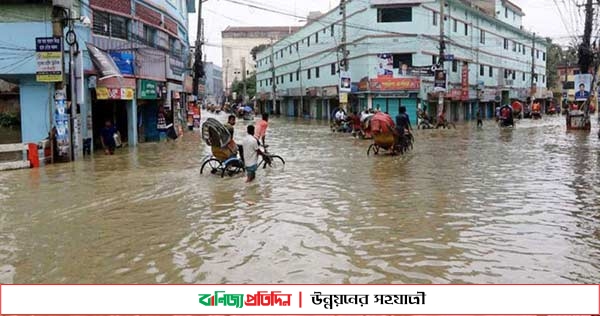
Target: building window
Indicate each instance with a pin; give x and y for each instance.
(291, 77)
(435, 18)
(271, 81)
(402, 59)
(149, 34)
(505, 73)
(543, 78)
(317, 72)
(505, 43)
(481, 70)
(514, 46)
(491, 71)
(282, 53)
(454, 66)
(333, 72)
(482, 36)
(332, 29)
(466, 29)
(308, 73)
(402, 14)
(506, 12)
(110, 25)
(537, 54)
(308, 41)
(544, 56)
(277, 80)
(290, 49)
(523, 76)
(317, 37)
(433, 60)
(514, 75)
(297, 75)
(455, 26)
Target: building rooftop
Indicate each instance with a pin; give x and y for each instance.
(253, 29)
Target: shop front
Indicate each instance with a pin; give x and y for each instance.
(149, 107)
(329, 97)
(113, 100)
(387, 94)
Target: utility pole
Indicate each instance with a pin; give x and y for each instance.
(532, 87)
(585, 52)
(273, 76)
(227, 82)
(198, 65)
(344, 34)
(244, 79)
(440, 61)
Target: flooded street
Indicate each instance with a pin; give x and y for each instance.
(465, 206)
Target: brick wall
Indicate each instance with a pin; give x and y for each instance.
(121, 6)
(146, 14)
(171, 25)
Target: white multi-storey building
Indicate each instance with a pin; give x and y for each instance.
(488, 59)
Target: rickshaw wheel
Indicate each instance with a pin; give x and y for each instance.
(213, 163)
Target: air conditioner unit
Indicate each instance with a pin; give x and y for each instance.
(67, 4)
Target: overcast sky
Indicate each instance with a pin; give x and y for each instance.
(541, 16)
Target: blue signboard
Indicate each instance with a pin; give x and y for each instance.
(124, 61)
(449, 57)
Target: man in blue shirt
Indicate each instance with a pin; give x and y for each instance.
(581, 94)
(107, 137)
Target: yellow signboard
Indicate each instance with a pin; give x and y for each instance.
(103, 93)
(343, 97)
(49, 67)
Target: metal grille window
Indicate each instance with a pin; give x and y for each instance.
(149, 34)
(101, 23)
(317, 72)
(491, 71)
(454, 66)
(333, 72)
(111, 25)
(401, 14)
(481, 70)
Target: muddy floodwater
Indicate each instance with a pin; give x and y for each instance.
(465, 206)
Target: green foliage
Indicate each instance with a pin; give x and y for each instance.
(554, 58)
(238, 87)
(256, 49)
(10, 119)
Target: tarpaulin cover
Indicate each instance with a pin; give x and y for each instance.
(215, 134)
(382, 123)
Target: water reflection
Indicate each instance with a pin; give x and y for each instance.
(466, 205)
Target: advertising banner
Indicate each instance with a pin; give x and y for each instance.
(385, 65)
(49, 59)
(345, 81)
(147, 89)
(394, 84)
(583, 85)
(124, 61)
(62, 124)
(439, 81)
(464, 84)
(315, 299)
(103, 93)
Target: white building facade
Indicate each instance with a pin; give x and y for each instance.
(390, 44)
(237, 44)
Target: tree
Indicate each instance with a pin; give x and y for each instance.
(555, 57)
(238, 87)
(257, 49)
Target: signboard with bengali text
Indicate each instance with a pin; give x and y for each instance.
(49, 59)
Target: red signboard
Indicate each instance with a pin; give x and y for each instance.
(465, 82)
(456, 94)
(394, 84)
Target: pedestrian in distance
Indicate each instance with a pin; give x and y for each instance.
(107, 138)
(479, 119)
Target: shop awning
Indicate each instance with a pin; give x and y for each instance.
(103, 63)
